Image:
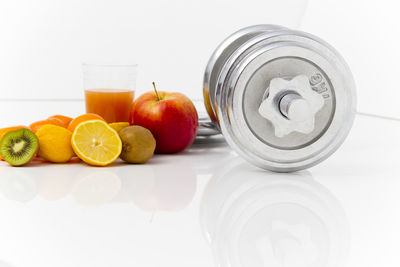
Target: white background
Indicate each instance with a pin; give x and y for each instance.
(136, 221)
(44, 42)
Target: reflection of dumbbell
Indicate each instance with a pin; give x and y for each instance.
(272, 220)
(283, 99)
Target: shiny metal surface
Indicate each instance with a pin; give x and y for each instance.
(291, 106)
(221, 55)
(284, 67)
(207, 128)
(236, 83)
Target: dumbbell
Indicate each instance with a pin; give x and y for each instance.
(284, 99)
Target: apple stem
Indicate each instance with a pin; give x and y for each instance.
(155, 90)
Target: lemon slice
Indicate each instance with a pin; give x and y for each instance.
(118, 126)
(96, 143)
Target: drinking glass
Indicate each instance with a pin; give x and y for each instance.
(109, 90)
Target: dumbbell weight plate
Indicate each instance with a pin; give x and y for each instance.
(238, 80)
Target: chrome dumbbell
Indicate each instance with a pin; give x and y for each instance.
(283, 99)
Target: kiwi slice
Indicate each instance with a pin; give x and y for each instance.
(19, 147)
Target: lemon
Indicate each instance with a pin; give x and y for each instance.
(96, 143)
(54, 143)
(118, 126)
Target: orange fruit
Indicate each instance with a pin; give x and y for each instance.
(64, 119)
(3, 131)
(85, 117)
(96, 143)
(38, 124)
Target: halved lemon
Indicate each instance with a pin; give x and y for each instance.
(96, 143)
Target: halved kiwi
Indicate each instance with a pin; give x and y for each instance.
(19, 147)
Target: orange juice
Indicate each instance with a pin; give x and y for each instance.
(114, 105)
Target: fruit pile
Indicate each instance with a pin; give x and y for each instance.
(159, 121)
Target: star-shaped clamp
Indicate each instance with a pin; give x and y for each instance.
(291, 105)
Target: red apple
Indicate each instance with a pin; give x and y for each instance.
(171, 117)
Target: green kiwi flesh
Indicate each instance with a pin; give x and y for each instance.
(19, 147)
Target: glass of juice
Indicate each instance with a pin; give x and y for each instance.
(109, 90)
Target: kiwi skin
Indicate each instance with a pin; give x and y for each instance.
(26, 153)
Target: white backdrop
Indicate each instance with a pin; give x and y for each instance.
(44, 42)
(367, 34)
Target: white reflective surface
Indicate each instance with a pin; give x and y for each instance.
(207, 207)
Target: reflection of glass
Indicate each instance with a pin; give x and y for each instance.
(25, 184)
(256, 218)
(109, 90)
(96, 187)
(56, 182)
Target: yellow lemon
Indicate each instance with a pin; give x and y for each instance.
(118, 126)
(96, 143)
(54, 143)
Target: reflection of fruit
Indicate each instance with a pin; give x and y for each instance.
(96, 187)
(118, 126)
(19, 147)
(138, 144)
(85, 117)
(171, 117)
(55, 143)
(37, 125)
(17, 184)
(64, 119)
(56, 182)
(9, 129)
(96, 143)
(5, 264)
(207, 103)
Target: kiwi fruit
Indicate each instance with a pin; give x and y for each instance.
(138, 144)
(19, 147)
